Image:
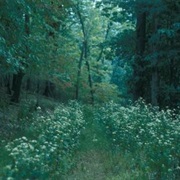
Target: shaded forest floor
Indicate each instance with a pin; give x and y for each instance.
(95, 160)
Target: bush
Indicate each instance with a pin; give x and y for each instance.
(145, 131)
(49, 154)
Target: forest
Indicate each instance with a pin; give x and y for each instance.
(89, 89)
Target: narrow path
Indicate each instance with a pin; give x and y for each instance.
(95, 160)
(90, 166)
(91, 159)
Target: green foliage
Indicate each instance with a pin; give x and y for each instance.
(160, 44)
(47, 39)
(145, 132)
(47, 152)
(105, 92)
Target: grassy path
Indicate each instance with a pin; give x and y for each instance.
(92, 154)
(95, 161)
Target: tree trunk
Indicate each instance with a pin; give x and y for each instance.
(17, 78)
(49, 88)
(102, 46)
(154, 87)
(90, 82)
(16, 87)
(89, 72)
(84, 53)
(154, 77)
(28, 84)
(139, 69)
(8, 84)
(79, 72)
(141, 33)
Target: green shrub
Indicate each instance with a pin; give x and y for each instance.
(49, 154)
(144, 130)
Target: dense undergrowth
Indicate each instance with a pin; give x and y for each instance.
(149, 134)
(102, 142)
(47, 150)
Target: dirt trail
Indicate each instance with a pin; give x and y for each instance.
(91, 159)
(90, 166)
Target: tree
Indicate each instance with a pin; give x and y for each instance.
(155, 62)
(139, 64)
(91, 37)
(84, 53)
(27, 48)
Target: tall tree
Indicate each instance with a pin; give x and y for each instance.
(155, 65)
(84, 53)
(18, 76)
(139, 65)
